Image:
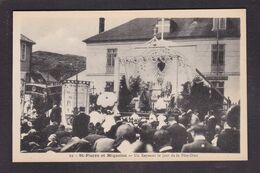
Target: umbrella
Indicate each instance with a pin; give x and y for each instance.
(106, 99)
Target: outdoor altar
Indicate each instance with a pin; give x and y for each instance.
(155, 73)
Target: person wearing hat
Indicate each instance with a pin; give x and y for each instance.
(211, 123)
(186, 118)
(55, 115)
(80, 124)
(197, 80)
(176, 131)
(229, 139)
(200, 144)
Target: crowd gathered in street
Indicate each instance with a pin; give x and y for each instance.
(174, 130)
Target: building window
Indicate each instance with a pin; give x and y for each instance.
(109, 87)
(111, 54)
(217, 58)
(219, 24)
(23, 52)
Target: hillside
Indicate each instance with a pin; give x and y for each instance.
(59, 66)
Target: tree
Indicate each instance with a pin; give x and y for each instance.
(200, 97)
(135, 85)
(184, 99)
(145, 101)
(125, 96)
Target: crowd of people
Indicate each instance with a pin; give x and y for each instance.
(172, 131)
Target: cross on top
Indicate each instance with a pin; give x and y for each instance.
(161, 25)
(93, 89)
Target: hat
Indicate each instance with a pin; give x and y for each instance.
(233, 116)
(197, 80)
(82, 109)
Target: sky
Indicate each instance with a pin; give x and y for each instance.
(64, 33)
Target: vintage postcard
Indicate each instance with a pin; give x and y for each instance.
(121, 86)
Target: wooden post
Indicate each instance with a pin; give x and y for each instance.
(77, 91)
(87, 98)
(63, 105)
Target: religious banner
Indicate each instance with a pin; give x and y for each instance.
(41, 89)
(75, 94)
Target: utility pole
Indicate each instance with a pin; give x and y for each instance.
(76, 88)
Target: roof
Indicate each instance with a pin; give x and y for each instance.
(143, 29)
(48, 77)
(42, 77)
(38, 78)
(26, 39)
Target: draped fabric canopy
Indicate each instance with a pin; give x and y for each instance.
(158, 66)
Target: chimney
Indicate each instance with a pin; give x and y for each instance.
(101, 24)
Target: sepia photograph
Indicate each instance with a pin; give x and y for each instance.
(97, 86)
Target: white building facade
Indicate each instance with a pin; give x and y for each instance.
(218, 58)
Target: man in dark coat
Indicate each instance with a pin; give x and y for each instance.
(200, 144)
(229, 139)
(211, 123)
(47, 131)
(41, 122)
(162, 141)
(80, 124)
(176, 131)
(55, 115)
(112, 132)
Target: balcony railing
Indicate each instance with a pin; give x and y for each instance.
(217, 68)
